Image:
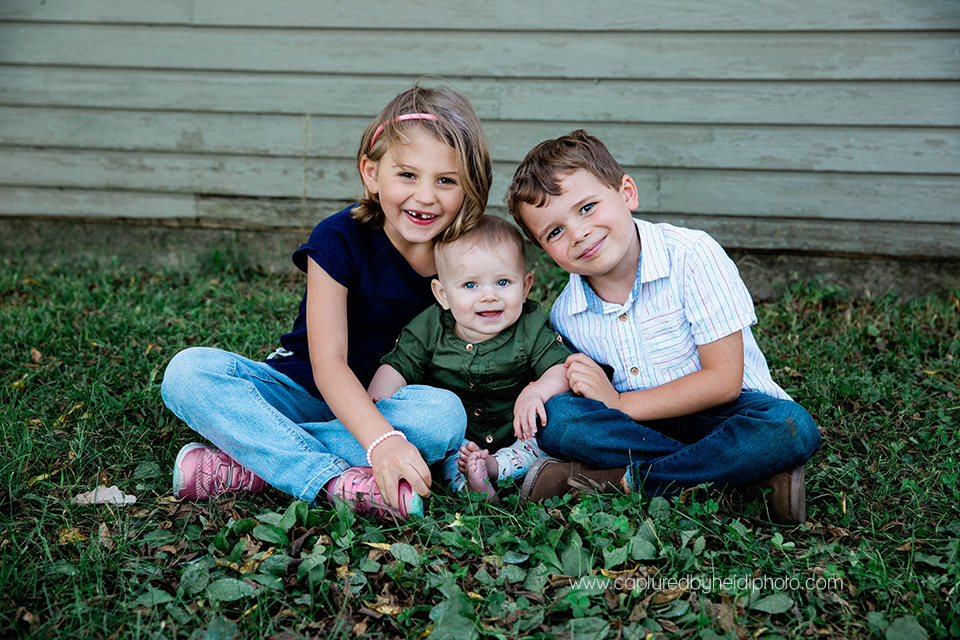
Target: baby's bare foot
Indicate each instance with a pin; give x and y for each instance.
(478, 478)
(465, 451)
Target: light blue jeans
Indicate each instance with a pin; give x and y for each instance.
(274, 427)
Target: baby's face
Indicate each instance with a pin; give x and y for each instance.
(484, 288)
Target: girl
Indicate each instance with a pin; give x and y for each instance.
(303, 422)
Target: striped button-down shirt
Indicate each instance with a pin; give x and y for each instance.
(687, 292)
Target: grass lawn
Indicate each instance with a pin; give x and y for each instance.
(82, 354)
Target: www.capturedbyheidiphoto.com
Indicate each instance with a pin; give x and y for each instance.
(706, 584)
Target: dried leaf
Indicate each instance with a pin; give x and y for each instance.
(70, 535)
(104, 495)
(106, 538)
(36, 356)
(667, 595)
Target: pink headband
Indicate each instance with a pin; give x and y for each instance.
(406, 116)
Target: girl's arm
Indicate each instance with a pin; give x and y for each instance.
(386, 382)
(717, 382)
(393, 458)
(530, 402)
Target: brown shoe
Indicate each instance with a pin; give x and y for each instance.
(785, 494)
(549, 477)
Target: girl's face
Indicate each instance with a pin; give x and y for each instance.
(419, 188)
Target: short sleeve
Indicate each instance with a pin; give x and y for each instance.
(332, 245)
(545, 345)
(415, 346)
(716, 301)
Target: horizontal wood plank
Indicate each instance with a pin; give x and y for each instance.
(822, 196)
(491, 54)
(886, 238)
(808, 103)
(597, 15)
(846, 149)
(735, 193)
(76, 203)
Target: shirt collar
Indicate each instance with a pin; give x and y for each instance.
(654, 264)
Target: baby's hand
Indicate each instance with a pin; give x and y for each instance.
(529, 405)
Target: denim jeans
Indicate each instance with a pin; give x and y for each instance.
(747, 440)
(275, 428)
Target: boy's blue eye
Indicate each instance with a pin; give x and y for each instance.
(587, 207)
(553, 234)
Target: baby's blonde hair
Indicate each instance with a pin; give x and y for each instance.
(455, 124)
(491, 232)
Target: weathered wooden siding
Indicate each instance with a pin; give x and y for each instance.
(822, 126)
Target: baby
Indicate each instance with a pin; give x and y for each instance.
(488, 344)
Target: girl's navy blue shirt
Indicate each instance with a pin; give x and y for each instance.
(384, 293)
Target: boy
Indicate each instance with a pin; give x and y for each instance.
(691, 399)
(488, 344)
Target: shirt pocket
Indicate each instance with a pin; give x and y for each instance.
(668, 341)
(504, 376)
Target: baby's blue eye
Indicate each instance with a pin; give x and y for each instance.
(502, 282)
(470, 285)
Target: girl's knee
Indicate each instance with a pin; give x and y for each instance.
(186, 369)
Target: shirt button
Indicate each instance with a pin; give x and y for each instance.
(634, 370)
(477, 411)
(560, 338)
(469, 347)
(470, 385)
(488, 438)
(623, 317)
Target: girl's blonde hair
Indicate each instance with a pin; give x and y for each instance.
(456, 124)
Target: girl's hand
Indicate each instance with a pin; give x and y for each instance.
(393, 459)
(587, 379)
(529, 405)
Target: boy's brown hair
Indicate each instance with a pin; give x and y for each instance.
(456, 124)
(491, 232)
(538, 176)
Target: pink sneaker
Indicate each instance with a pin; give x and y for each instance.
(358, 487)
(202, 472)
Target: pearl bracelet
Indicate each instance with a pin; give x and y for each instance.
(374, 444)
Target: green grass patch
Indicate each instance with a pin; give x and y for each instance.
(82, 354)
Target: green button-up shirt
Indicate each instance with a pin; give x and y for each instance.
(487, 376)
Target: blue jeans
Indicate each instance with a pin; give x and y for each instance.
(272, 426)
(747, 440)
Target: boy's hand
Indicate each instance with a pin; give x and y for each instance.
(587, 379)
(529, 405)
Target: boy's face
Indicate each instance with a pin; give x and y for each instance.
(588, 229)
(483, 288)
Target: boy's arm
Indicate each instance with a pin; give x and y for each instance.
(530, 403)
(717, 382)
(386, 382)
